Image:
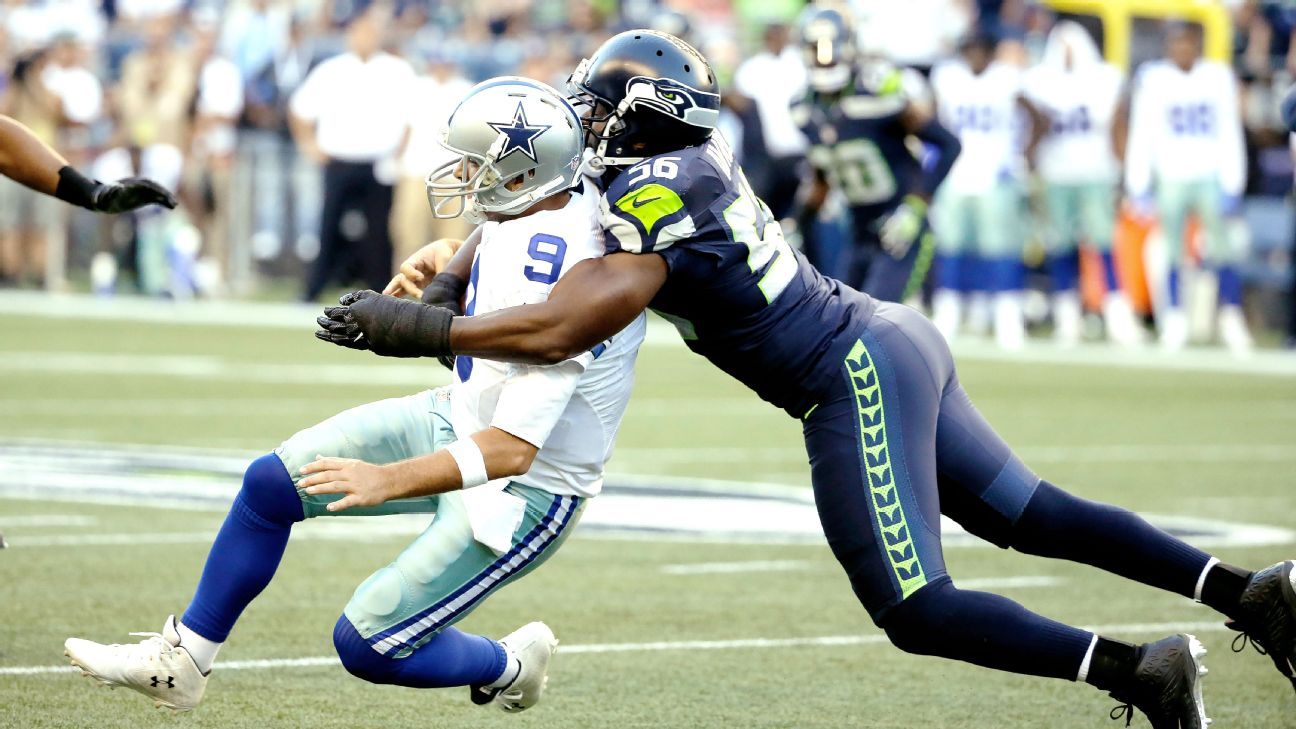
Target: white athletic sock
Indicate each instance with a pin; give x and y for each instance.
(201, 649)
(512, 668)
(1084, 665)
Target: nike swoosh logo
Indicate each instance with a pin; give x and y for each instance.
(640, 202)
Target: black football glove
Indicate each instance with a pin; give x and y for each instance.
(386, 325)
(117, 197)
(128, 194)
(446, 290)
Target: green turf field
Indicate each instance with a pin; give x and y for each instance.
(771, 637)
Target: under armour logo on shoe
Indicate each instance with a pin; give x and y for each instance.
(170, 682)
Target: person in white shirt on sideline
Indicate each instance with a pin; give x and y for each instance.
(773, 79)
(1186, 152)
(351, 114)
(977, 212)
(1081, 95)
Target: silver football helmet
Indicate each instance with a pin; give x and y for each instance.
(508, 132)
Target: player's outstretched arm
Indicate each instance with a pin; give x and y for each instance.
(486, 455)
(596, 299)
(27, 160)
(592, 302)
(449, 258)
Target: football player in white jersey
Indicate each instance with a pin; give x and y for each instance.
(505, 457)
(1081, 95)
(1186, 152)
(978, 209)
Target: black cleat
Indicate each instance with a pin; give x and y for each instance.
(1166, 685)
(1267, 617)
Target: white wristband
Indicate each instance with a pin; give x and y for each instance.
(472, 466)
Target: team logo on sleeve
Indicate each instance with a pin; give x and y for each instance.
(519, 136)
(673, 98)
(650, 204)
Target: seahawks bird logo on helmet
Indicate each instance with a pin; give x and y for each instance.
(643, 93)
(516, 142)
(828, 46)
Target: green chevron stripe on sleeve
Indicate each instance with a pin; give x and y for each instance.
(887, 508)
(649, 204)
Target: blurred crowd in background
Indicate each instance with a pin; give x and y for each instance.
(291, 185)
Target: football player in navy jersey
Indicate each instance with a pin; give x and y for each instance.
(859, 121)
(893, 439)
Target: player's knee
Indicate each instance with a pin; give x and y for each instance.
(917, 625)
(269, 493)
(358, 657)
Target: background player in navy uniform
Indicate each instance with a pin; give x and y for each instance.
(892, 437)
(859, 122)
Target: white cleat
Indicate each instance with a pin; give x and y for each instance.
(1009, 323)
(1066, 318)
(156, 667)
(1233, 330)
(533, 644)
(1174, 329)
(1118, 315)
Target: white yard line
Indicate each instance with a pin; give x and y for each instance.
(724, 568)
(48, 520)
(681, 645)
(301, 318)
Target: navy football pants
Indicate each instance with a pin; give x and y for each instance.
(899, 443)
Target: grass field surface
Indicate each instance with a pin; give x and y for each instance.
(672, 630)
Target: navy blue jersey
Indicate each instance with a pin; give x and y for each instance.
(858, 142)
(739, 295)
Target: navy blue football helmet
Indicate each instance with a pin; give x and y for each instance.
(643, 93)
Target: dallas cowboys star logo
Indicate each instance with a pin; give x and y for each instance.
(519, 135)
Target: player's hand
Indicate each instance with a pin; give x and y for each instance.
(386, 325)
(364, 484)
(417, 271)
(903, 226)
(338, 326)
(128, 194)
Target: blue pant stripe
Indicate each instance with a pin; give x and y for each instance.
(466, 597)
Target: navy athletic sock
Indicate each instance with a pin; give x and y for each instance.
(451, 658)
(1003, 274)
(247, 550)
(1109, 271)
(1230, 286)
(1062, 526)
(987, 630)
(1064, 269)
(1172, 286)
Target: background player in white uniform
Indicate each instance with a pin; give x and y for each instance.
(1186, 152)
(977, 213)
(1080, 93)
(526, 444)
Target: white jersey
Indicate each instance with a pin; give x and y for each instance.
(571, 410)
(1185, 126)
(1080, 99)
(982, 111)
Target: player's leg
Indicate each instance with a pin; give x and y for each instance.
(873, 464)
(1174, 201)
(999, 239)
(1063, 204)
(953, 228)
(1098, 221)
(398, 626)
(988, 490)
(1223, 254)
(250, 544)
(872, 458)
(897, 279)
